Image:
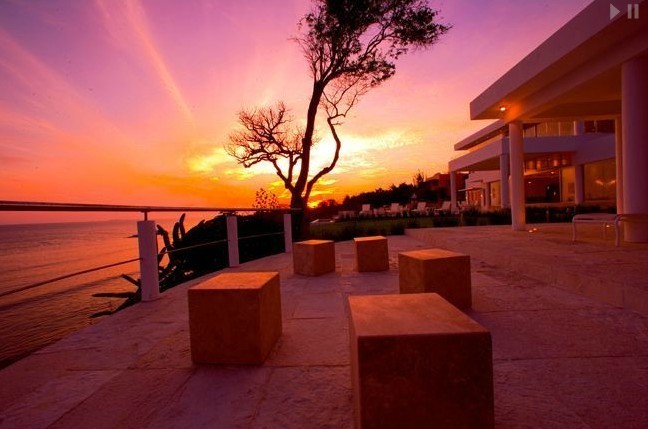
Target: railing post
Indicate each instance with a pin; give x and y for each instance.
(287, 219)
(148, 252)
(232, 241)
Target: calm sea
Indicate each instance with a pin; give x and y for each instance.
(34, 318)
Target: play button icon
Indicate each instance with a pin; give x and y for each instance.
(613, 11)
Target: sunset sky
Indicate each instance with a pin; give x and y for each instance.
(130, 102)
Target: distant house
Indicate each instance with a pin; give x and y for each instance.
(593, 69)
(439, 185)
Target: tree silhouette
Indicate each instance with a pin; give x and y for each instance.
(265, 200)
(351, 47)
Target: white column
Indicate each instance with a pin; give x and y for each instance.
(618, 146)
(634, 117)
(287, 232)
(148, 252)
(504, 180)
(579, 184)
(516, 154)
(453, 192)
(487, 198)
(232, 241)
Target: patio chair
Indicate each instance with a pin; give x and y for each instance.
(366, 210)
(395, 210)
(445, 208)
(421, 208)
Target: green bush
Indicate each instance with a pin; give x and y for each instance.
(342, 231)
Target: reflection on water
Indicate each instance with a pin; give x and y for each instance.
(31, 253)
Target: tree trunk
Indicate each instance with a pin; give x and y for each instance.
(300, 218)
(307, 140)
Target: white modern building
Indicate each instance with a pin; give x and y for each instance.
(564, 163)
(595, 68)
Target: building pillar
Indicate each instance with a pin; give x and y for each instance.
(287, 221)
(487, 196)
(453, 192)
(148, 253)
(579, 184)
(232, 240)
(634, 118)
(516, 154)
(579, 128)
(618, 146)
(504, 181)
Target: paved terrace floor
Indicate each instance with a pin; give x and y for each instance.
(561, 359)
(591, 266)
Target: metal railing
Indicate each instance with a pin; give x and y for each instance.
(22, 206)
(66, 276)
(147, 236)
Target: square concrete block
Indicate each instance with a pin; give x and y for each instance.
(313, 257)
(436, 270)
(235, 318)
(419, 362)
(371, 253)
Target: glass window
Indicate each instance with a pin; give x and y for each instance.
(495, 194)
(567, 184)
(530, 131)
(550, 129)
(474, 197)
(601, 126)
(542, 188)
(600, 180)
(541, 129)
(553, 129)
(605, 126)
(567, 128)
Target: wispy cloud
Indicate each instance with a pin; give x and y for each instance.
(209, 162)
(137, 24)
(39, 99)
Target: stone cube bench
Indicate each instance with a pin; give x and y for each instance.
(313, 257)
(436, 270)
(419, 362)
(235, 318)
(371, 253)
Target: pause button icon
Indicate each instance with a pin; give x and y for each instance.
(633, 11)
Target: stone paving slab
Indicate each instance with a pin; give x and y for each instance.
(214, 397)
(561, 359)
(588, 392)
(135, 406)
(324, 404)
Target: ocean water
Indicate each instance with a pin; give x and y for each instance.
(34, 318)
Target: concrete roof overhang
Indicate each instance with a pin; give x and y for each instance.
(574, 74)
(487, 164)
(482, 135)
(488, 157)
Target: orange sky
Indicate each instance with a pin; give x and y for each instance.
(130, 102)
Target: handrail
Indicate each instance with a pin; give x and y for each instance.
(66, 276)
(148, 258)
(83, 207)
(195, 246)
(261, 235)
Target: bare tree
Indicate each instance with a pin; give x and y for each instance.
(350, 47)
